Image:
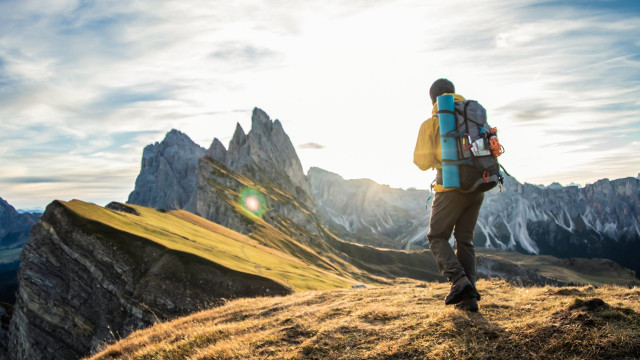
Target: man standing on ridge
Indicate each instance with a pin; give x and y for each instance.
(451, 211)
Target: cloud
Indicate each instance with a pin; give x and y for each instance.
(32, 180)
(311, 145)
(244, 53)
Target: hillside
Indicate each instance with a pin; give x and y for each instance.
(182, 231)
(88, 272)
(404, 321)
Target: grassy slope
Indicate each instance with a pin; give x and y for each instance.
(325, 265)
(577, 271)
(185, 232)
(287, 236)
(405, 321)
(365, 263)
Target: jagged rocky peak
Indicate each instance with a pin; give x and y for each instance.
(176, 137)
(318, 173)
(217, 151)
(239, 138)
(260, 120)
(237, 153)
(267, 157)
(268, 148)
(168, 175)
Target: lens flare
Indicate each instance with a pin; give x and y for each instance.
(252, 202)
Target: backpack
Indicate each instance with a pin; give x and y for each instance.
(477, 147)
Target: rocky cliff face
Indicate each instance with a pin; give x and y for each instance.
(167, 177)
(173, 178)
(381, 215)
(265, 153)
(266, 158)
(14, 233)
(601, 220)
(82, 283)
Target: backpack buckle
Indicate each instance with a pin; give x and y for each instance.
(485, 176)
(468, 137)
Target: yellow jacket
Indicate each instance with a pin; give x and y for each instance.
(427, 153)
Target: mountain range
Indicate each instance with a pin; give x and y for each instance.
(601, 220)
(204, 226)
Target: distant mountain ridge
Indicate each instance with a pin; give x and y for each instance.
(14, 233)
(600, 220)
(13, 225)
(370, 213)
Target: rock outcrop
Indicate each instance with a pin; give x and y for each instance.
(601, 220)
(168, 178)
(265, 153)
(82, 283)
(380, 215)
(172, 177)
(266, 158)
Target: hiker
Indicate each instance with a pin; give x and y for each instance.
(451, 211)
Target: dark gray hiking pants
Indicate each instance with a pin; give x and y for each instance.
(455, 212)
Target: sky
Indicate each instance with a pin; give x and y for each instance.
(85, 85)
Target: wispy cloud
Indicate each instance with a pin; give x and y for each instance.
(311, 145)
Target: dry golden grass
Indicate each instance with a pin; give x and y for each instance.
(405, 321)
(181, 231)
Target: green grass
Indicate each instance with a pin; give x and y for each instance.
(181, 231)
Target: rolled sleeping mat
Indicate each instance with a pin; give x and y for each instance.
(448, 142)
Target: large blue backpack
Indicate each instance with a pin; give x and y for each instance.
(477, 148)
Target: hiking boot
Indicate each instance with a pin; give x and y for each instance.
(468, 304)
(461, 289)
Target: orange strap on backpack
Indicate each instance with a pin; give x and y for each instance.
(494, 144)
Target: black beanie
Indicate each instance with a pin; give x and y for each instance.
(439, 87)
